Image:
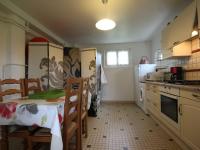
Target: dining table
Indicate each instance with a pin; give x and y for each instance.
(45, 109)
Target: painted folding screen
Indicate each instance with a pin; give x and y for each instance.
(71, 62)
(45, 61)
(88, 68)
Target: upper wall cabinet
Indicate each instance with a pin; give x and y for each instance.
(198, 10)
(165, 41)
(180, 29)
(182, 26)
(181, 50)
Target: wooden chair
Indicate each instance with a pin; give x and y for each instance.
(84, 103)
(72, 117)
(32, 85)
(3, 140)
(13, 87)
(17, 87)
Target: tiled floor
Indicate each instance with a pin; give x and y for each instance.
(125, 127)
(122, 127)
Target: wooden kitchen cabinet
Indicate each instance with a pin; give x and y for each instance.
(153, 99)
(190, 122)
(165, 41)
(177, 32)
(198, 13)
(148, 96)
(182, 26)
(180, 50)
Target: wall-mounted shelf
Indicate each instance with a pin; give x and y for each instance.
(192, 70)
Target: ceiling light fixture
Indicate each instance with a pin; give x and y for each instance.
(105, 24)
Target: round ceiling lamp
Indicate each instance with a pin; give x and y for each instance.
(105, 24)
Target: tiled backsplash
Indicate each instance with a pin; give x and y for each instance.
(188, 63)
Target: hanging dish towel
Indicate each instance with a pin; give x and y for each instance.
(103, 76)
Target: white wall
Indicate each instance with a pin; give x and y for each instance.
(12, 46)
(120, 86)
(3, 46)
(14, 36)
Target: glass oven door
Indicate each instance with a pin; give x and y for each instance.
(169, 106)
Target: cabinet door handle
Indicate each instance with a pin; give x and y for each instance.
(177, 42)
(175, 17)
(196, 96)
(180, 109)
(154, 91)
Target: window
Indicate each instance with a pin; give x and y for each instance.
(117, 58)
(111, 58)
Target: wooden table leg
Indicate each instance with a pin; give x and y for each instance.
(4, 138)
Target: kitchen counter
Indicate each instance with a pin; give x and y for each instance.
(186, 87)
(184, 104)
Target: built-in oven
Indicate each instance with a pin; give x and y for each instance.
(170, 108)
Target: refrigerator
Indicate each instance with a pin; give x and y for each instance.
(140, 73)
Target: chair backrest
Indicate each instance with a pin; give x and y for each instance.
(72, 111)
(11, 87)
(32, 85)
(84, 99)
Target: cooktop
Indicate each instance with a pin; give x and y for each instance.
(185, 82)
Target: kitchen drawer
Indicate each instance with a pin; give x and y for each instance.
(171, 90)
(190, 95)
(156, 102)
(155, 113)
(148, 87)
(156, 105)
(155, 89)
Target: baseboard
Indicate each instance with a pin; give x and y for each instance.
(171, 134)
(118, 101)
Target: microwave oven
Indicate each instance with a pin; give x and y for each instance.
(154, 76)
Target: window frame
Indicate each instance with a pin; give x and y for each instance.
(117, 65)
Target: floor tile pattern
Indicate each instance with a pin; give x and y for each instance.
(125, 127)
(121, 127)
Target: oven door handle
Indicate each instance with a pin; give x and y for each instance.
(180, 109)
(169, 95)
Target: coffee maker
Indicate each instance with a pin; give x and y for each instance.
(176, 73)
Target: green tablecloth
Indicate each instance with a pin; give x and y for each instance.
(51, 94)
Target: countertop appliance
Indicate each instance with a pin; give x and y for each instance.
(155, 76)
(177, 73)
(140, 76)
(167, 76)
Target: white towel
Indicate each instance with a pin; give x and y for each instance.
(103, 76)
(89, 100)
